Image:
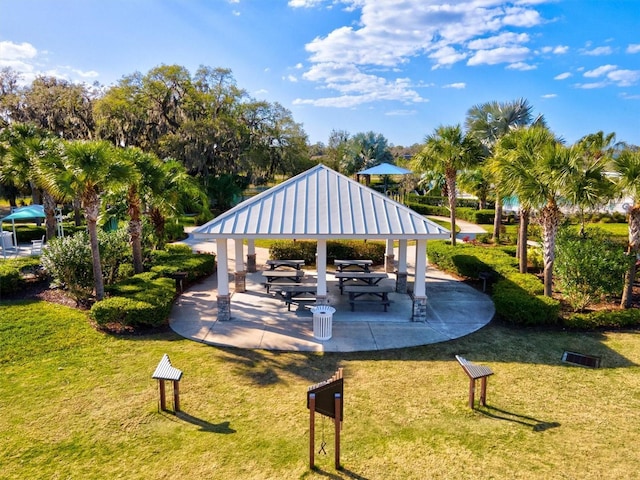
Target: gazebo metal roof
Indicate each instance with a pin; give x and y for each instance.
(321, 204)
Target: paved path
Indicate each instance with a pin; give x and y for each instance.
(261, 321)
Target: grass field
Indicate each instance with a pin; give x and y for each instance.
(76, 403)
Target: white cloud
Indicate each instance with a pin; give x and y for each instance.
(499, 55)
(360, 60)
(291, 78)
(550, 95)
(400, 113)
(600, 71)
(589, 86)
(458, 85)
(504, 39)
(447, 56)
(235, 13)
(633, 48)
(561, 49)
(298, 66)
(89, 74)
(598, 51)
(10, 51)
(562, 76)
(624, 78)
(522, 66)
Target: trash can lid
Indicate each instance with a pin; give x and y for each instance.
(323, 309)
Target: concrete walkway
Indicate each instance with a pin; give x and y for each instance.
(262, 321)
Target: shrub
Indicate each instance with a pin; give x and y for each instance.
(196, 265)
(143, 300)
(306, 250)
(514, 304)
(10, 278)
(604, 319)
(68, 261)
(589, 268)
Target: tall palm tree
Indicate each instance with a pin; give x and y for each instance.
(490, 121)
(539, 176)
(448, 150)
(514, 156)
(87, 170)
(589, 188)
(627, 166)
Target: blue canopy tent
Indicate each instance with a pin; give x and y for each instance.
(385, 169)
(31, 212)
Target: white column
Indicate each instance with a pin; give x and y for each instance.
(321, 266)
(402, 256)
(251, 246)
(239, 255)
(421, 268)
(389, 248)
(223, 267)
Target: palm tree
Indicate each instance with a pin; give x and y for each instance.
(589, 188)
(177, 192)
(488, 122)
(627, 167)
(538, 171)
(87, 170)
(447, 150)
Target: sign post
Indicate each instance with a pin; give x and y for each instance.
(326, 398)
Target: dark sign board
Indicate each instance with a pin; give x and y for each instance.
(325, 397)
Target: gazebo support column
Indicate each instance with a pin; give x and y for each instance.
(321, 266)
(251, 256)
(241, 274)
(401, 274)
(224, 299)
(389, 265)
(419, 287)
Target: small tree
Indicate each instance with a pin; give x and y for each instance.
(590, 267)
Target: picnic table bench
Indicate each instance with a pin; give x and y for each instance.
(344, 265)
(297, 292)
(369, 278)
(356, 292)
(274, 264)
(274, 277)
(475, 372)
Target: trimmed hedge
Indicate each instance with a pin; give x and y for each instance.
(604, 319)
(142, 300)
(306, 250)
(518, 297)
(197, 266)
(145, 300)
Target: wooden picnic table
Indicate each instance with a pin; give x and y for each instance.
(297, 292)
(274, 277)
(356, 292)
(369, 278)
(345, 265)
(274, 264)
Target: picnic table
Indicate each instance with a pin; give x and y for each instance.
(279, 277)
(274, 264)
(356, 292)
(369, 278)
(345, 265)
(297, 292)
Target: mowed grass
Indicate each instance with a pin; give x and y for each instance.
(76, 403)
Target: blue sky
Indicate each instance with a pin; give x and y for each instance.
(396, 67)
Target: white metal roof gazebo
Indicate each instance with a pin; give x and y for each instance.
(320, 204)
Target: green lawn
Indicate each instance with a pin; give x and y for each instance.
(76, 403)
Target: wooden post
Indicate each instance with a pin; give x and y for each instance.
(472, 388)
(163, 398)
(176, 395)
(483, 391)
(312, 430)
(338, 420)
